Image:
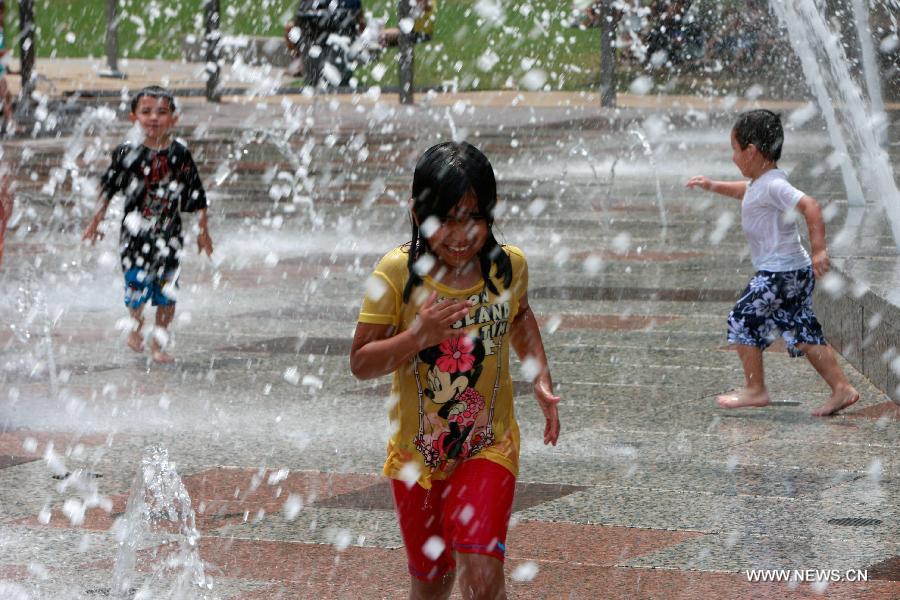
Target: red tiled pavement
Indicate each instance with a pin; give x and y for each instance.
(573, 561)
(588, 544)
(571, 580)
(12, 442)
(224, 495)
(13, 572)
(317, 571)
(221, 496)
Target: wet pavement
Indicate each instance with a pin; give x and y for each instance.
(653, 491)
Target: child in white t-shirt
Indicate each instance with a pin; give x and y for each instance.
(779, 296)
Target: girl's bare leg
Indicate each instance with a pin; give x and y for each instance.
(480, 577)
(164, 316)
(135, 339)
(823, 360)
(755, 392)
(436, 590)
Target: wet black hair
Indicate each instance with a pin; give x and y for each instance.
(153, 91)
(444, 174)
(763, 129)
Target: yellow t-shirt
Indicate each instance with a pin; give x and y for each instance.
(455, 400)
(425, 17)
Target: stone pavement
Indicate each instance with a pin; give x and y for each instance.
(653, 491)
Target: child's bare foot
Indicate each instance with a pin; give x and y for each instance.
(158, 352)
(839, 400)
(136, 342)
(161, 356)
(743, 399)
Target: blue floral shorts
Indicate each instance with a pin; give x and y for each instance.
(773, 303)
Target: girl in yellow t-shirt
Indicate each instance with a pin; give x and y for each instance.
(441, 313)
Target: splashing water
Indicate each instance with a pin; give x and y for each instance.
(159, 506)
(660, 203)
(809, 32)
(870, 68)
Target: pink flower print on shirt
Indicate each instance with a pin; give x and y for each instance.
(468, 405)
(456, 355)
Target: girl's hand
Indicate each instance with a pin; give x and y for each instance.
(434, 321)
(548, 403)
(700, 181)
(204, 243)
(820, 264)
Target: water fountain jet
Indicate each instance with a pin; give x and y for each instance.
(159, 506)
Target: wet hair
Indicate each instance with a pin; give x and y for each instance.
(444, 174)
(763, 129)
(153, 91)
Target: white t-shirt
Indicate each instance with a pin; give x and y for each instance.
(769, 221)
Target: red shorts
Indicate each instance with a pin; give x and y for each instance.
(468, 512)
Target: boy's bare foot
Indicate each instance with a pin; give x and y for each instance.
(161, 356)
(839, 400)
(743, 399)
(136, 342)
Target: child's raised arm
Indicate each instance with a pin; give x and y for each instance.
(525, 338)
(92, 231)
(809, 208)
(204, 241)
(734, 189)
(376, 352)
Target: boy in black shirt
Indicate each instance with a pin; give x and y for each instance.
(159, 180)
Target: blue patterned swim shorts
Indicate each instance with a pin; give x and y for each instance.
(776, 303)
(139, 288)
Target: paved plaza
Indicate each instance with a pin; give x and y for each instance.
(653, 490)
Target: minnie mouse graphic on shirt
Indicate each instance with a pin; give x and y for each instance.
(453, 420)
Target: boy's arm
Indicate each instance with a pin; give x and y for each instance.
(204, 241)
(525, 338)
(92, 231)
(809, 208)
(734, 189)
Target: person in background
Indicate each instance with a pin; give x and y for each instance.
(424, 15)
(160, 181)
(314, 21)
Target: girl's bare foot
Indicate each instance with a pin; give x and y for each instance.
(135, 342)
(743, 399)
(839, 400)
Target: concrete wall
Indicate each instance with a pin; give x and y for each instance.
(866, 331)
(253, 50)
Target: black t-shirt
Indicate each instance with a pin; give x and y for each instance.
(320, 17)
(158, 185)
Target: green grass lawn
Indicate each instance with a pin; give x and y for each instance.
(476, 51)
